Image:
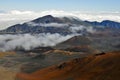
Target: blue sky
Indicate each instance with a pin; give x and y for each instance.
(67, 5)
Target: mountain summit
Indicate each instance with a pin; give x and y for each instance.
(44, 19)
(46, 24)
(64, 26)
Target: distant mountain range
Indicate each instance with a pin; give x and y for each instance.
(62, 25)
(106, 23)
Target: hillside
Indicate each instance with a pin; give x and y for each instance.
(102, 66)
(74, 41)
(46, 24)
(64, 26)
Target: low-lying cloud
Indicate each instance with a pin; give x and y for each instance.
(47, 24)
(75, 29)
(28, 41)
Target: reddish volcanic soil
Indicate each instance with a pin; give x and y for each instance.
(104, 66)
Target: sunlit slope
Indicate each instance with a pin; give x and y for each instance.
(95, 67)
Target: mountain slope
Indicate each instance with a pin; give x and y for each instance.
(74, 41)
(97, 67)
(46, 24)
(64, 26)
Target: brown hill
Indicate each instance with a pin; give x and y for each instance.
(84, 49)
(104, 66)
(74, 41)
(78, 44)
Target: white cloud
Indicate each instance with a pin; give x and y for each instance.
(16, 16)
(47, 24)
(74, 29)
(16, 12)
(28, 41)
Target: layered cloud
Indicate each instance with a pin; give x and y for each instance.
(74, 29)
(28, 41)
(15, 16)
(47, 24)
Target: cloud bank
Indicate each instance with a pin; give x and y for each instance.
(15, 16)
(74, 29)
(28, 41)
(47, 24)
